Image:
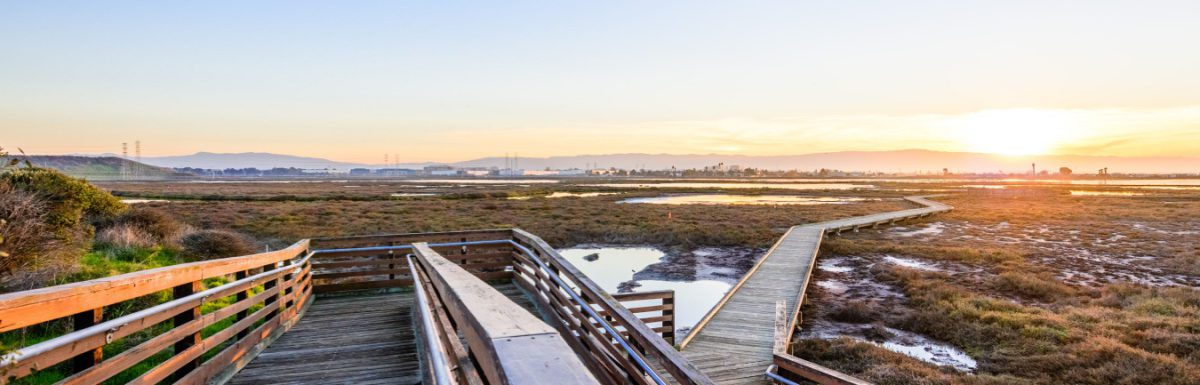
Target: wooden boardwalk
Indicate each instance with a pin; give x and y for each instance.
(734, 343)
(350, 340)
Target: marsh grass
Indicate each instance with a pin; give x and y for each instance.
(1013, 313)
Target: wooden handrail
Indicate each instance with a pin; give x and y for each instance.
(408, 238)
(680, 368)
(285, 291)
(31, 307)
(814, 372)
(510, 344)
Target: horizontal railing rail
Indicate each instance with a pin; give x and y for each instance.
(382, 267)
(509, 344)
(656, 309)
(570, 295)
(260, 296)
(437, 357)
(266, 295)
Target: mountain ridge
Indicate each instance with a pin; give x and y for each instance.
(892, 161)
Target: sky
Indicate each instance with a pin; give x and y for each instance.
(451, 80)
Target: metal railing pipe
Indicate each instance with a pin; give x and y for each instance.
(583, 304)
(439, 366)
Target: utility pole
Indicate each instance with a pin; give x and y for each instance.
(124, 160)
(137, 151)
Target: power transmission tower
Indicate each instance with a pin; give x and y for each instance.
(137, 153)
(124, 160)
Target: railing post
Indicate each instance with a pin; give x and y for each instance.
(182, 318)
(392, 259)
(669, 322)
(268, 286)
(242, 296)
(82, 321)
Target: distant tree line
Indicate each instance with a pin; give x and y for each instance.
(249, 171)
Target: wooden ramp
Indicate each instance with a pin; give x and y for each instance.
(734, 343)
(350, 340)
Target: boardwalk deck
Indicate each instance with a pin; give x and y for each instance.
(733, 345)
(350, 339)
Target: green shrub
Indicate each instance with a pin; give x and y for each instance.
(47, 223)
(214, 244)
(71, 203)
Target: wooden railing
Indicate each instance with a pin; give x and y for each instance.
(603, 354)
(509, 344)
(263, 295)
(266, 296)
(351, 264)
(789, 369)
(656, 309)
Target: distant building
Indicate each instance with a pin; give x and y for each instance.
(450, 172)
(484, 172)
(360, 172)
(395, 172)
(572, 172)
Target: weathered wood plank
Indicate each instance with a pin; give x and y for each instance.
(745, 320)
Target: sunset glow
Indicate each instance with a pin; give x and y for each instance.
(1016, 132)
(446, 82)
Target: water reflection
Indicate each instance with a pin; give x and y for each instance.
(135, 200)
(1104, 193)
(722, 199)
(616, 265)
(783, 186)
(579, 195)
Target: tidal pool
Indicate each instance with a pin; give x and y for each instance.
(783, 186)
(723, 199)
(611, 266)
(579, 195)
(1104, 193)
(480, 181)
(137, 200)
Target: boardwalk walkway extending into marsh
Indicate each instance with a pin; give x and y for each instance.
(735, 342)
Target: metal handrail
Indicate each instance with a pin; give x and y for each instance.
(583, 304)
(438, 364)
(771, 375)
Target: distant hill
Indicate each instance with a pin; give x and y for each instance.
(259, 160)
(906, 161)
(902, 161)
(103, 168)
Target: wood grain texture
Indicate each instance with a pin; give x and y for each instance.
(736, 341)
(350, 339)
(30, 307)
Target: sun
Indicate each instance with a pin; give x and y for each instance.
(1015, 132)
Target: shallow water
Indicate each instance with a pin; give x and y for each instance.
(480, 181)
(615, 265)
(724, 199)
(904, 342)
(932, 229)
(911, 263)
(783, 186)
(137, 200)
(1105, 193)
(579, 195)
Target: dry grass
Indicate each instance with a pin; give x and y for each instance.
(1012, 310)
(560, 221)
